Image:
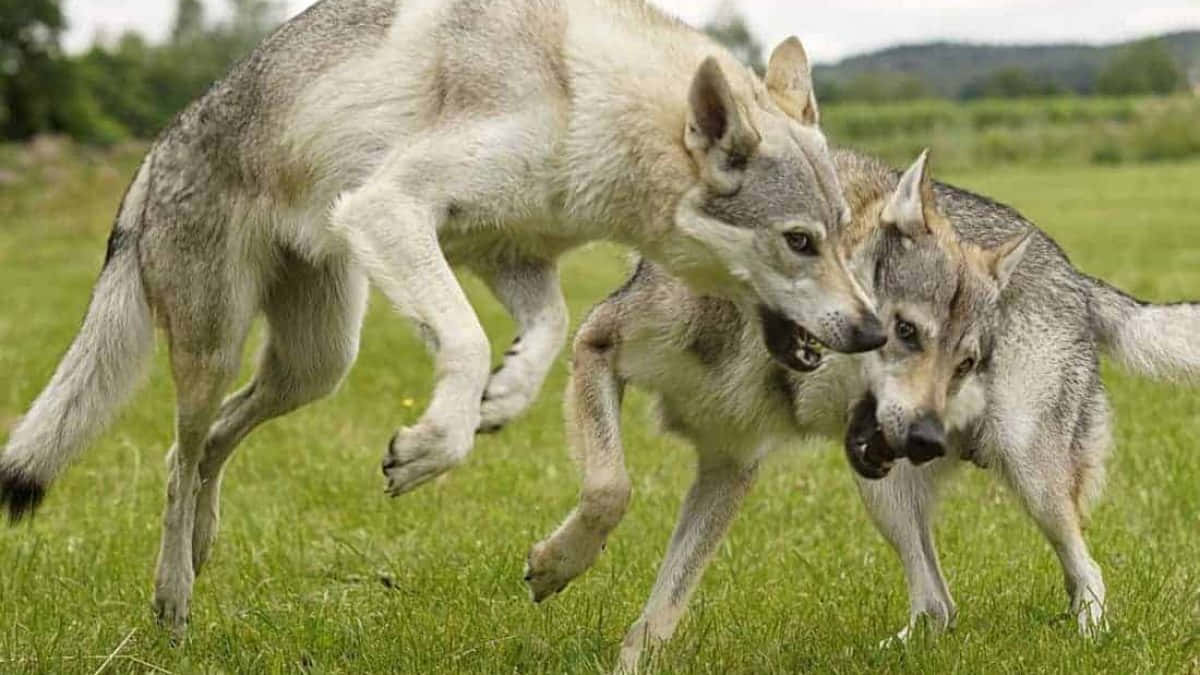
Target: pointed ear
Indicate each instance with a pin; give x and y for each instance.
(718, 134)
(789, 79)
(1003, 259)
(906, 209)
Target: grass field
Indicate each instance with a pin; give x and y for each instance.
(316, 571)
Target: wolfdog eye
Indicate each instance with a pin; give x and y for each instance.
(799, 242)
(907, 333)
(967, 365)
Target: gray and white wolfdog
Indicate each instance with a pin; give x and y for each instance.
(994, 339)
(386, 141)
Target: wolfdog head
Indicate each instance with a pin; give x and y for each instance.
(768, 209)
(939, 297)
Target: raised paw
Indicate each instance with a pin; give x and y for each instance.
(503, 401)
(419, 454)
(556, 561)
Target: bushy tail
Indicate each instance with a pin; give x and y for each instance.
(98, 373)
(1160, 341)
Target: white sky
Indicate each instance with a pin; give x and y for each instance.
(830, 30)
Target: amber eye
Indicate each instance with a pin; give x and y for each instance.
(965, 367)
(800, 242)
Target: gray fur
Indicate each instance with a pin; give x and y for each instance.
(992, 289)
(387, 140)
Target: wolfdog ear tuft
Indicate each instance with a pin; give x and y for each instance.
(1003, 259)
(789, 79)
(718, 135)
(910, 206)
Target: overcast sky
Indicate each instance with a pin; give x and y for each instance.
(830, 30)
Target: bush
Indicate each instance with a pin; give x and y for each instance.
(1052, 130)
(1170, 133)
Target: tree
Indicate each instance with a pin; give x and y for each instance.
(729, 27)
(1143, 68)
(1010, 82)
(189, 22)
(142, 86)
(877, 87)
(251, 20)
(31, 69)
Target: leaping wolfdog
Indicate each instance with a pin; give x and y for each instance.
(388, 140)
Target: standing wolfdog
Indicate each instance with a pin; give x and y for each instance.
(720, 389)
(992, 357)
(387, 140)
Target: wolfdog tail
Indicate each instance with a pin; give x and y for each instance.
(1159, 341)
(100, 370)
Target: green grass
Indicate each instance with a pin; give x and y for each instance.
(317, 571)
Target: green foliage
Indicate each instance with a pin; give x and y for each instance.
(1061, 131)
(130, 88)
(875, 88)
(1011, 82)
(143, 86)
(963, 71)
(1142, 68)
(189, 22)
(33, 76)
(730, 29)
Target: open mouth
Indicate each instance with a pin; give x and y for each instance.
(866, 447)
(789, 342)
(809, 349)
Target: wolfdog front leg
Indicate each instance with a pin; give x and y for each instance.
(531, 293)
(392, 226)
(393, 235)
(593, 407)
(902, 506)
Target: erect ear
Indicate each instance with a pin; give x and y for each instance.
(789, 80)
(718, 134)
(1003, 259)
(906, 210)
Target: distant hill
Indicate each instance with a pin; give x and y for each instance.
(951, 69)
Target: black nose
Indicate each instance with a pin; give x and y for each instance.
(926, 439)
(867, 336)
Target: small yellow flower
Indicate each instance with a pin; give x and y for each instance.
(408, 403)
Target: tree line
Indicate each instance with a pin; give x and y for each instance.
(125, 88)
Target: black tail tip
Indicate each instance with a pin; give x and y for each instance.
(19, 493)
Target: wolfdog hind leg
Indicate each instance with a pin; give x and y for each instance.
(205, 354)
(593, 411)
(1054, 494)
(902, 506)
(711, 504)
(531, 293)
(314, 315)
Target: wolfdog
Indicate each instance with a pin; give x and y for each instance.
(992, 357)
(385, 141)
(717, 387)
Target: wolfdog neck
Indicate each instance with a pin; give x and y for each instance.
(631, 69)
